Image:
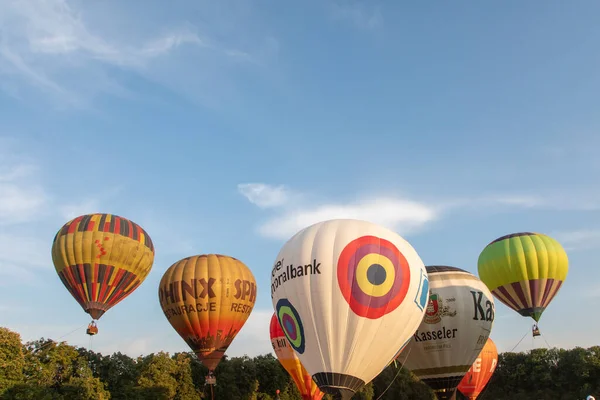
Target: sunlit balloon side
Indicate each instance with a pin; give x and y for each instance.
(101, 259)
(454, 330)
(524, 271)
(480, 372)
(207, 299)
(348, 295)
(289, 360)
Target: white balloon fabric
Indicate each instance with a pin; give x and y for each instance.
(456, 326)
(348, 294)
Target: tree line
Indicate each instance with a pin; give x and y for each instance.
(49, 370)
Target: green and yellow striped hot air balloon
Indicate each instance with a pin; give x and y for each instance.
(524, 271)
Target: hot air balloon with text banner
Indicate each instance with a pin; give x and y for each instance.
(289, 360)
(524, 271)
(480, 372)
(207, 299)
(457, 324)
(101, 259)
(348, 295)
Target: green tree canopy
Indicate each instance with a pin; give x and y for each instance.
(49, 370)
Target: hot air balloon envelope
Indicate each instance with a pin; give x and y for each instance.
(101, 259)
(456, 326)
(288, 359)
(524, 271)
(480, 372)
(348, 295)
(207, 299)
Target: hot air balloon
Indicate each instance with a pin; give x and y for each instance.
(207, 299)
(348, 295)
(480, 372)
(524, 271)
(101, 259)
(456, 326)
(288, 359)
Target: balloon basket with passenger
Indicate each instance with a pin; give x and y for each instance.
(210, 379)
(92, 329)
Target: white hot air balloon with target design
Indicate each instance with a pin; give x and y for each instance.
(349, 295)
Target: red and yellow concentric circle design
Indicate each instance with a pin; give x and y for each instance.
(373, 276)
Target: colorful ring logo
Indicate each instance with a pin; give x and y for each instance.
(373, 276)
(290, 322)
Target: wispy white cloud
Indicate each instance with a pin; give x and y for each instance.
(72, 210)
(400, 214)
(171, 41)
(361, 15)
(584, 239)
(21, 273)
(263, 195)
(570, 201)
(573, 201)
(293, 211)
(23, 250)
(22, 197)
(59, 48)
(26, 207)
(524, 201)
(487, 202)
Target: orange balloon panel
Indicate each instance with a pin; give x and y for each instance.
(480, 372)
(287, 357)
(207, 299)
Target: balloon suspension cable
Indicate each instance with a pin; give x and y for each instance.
(547, 344)
(63, 336)
(396, 376)
(519, 342)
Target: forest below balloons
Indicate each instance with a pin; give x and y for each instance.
(49, 370)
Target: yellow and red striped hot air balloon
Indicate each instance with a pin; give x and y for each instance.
(101, 259)
(207, 300)
(290, 361)
(524, 271)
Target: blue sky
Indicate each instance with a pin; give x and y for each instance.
(227, 126)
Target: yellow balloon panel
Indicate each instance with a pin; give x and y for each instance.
(207, 299)
(101, 259)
